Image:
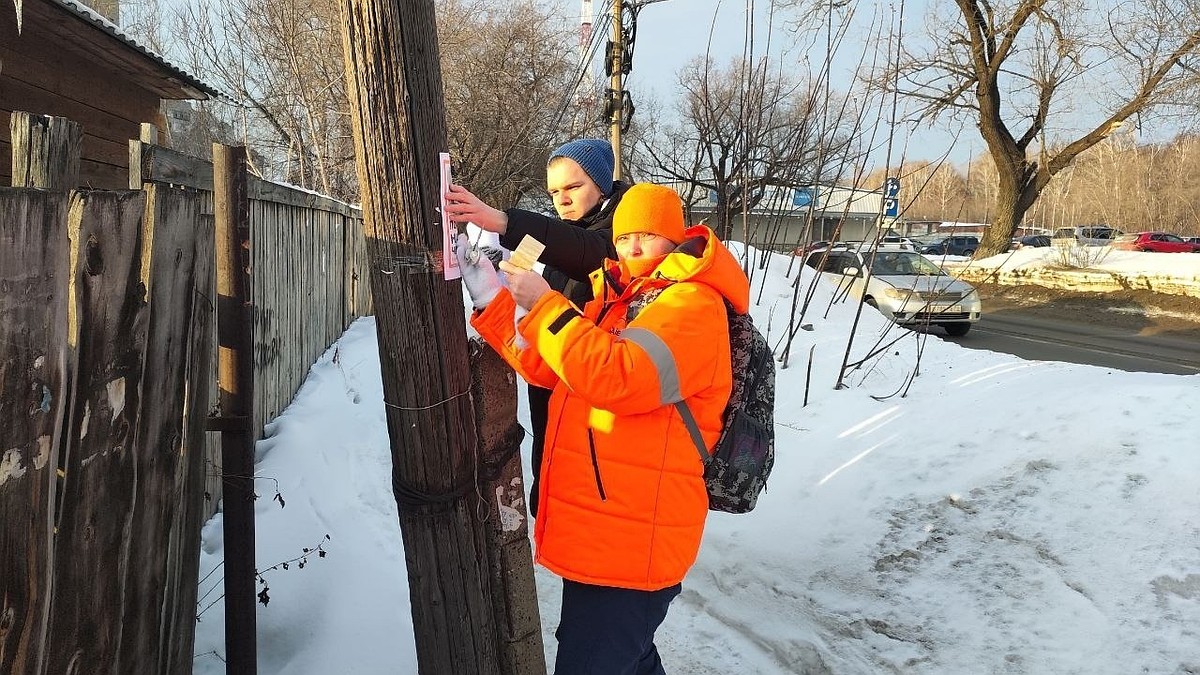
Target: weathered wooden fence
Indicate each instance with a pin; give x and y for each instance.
(309, 270)
(104, 316)
(107, 378)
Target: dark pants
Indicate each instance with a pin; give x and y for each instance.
(610, 631)
(539, 405)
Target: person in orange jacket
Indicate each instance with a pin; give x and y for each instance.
(623, 501)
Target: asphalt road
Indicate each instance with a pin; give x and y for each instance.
(1135, 348)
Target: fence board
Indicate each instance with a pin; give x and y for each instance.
(98, 459)
(34, 362)
(156, 164)
(190, 508)
(45, 151)
(170, 235)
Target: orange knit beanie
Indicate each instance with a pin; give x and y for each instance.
(647, 207)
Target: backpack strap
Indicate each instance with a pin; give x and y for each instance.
(689, 421)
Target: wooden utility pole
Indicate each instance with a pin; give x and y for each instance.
(514, 594)
(235, 373)
(616, 92)
(394, 81)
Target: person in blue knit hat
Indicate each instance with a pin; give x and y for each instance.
(579, 178)
(594, 156)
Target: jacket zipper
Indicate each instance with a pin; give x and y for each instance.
(615, 285)
(596, 466)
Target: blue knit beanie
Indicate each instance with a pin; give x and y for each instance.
(595, 156)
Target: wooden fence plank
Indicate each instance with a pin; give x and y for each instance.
(190, 507)
(157, 164)
(92, 549)
(35, 357)
(170, 238)
(287, 333)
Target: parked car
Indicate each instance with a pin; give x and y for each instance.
(963, 245)
(1192, 240)
(1158, 242)
(904, 286)
(1085, 235)
(902, 243)
(1029, 240)
(801, 250)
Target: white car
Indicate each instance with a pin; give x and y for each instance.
(902, 243)
(904, 286)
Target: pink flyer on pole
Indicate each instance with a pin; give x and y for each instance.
(449, 231)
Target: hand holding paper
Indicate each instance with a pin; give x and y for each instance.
(526, 285)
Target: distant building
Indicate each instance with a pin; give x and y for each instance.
(785, 215)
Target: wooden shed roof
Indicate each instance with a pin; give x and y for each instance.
(76, 27)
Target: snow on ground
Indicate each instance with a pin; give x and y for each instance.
(1086, 268)
(995, 515)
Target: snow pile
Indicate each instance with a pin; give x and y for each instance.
(1086, 268)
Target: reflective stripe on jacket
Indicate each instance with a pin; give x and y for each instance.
(622, 501)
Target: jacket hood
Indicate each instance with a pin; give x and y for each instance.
(701, 258)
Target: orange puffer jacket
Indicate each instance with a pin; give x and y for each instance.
(622, 496)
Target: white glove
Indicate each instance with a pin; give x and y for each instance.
(479, 275)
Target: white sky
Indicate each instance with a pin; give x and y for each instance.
(1005, 516)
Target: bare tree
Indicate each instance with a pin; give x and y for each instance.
(510, 72)
(281, 64)
(1018, 68)
(1128, 186)
(743, 129)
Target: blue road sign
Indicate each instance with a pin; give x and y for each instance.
(891, 187)
(891, 207)
(802, 197)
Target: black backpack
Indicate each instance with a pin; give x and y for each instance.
(736, 470)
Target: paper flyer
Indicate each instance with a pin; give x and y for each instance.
(450, 234)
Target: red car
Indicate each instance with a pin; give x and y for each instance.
(1159, 242)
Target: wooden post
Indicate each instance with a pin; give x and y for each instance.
(394, 81)
(514, 593)
(235, 372)
(139, 150)
(148, 133)
(45, 151)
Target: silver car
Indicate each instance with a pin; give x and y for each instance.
(904, 286)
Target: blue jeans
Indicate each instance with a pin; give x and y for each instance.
(610, 631)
